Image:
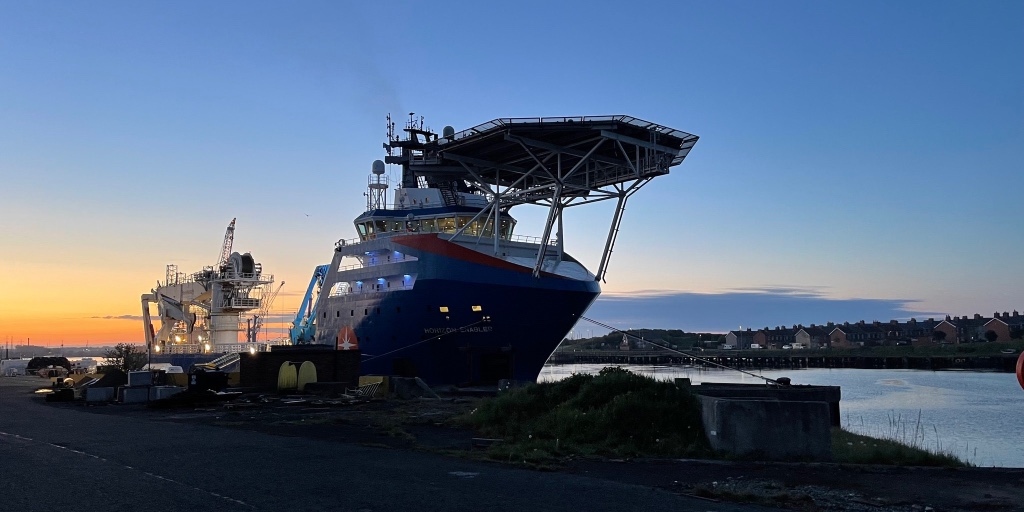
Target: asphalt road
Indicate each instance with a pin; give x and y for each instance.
(60, 457)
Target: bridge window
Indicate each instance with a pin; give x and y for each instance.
(446, 225)
(380, 226)
(471, 228)
(428, 225)
(507, 226)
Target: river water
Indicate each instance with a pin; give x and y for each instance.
(978, 416)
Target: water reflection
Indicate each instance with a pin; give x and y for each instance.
(977, 416)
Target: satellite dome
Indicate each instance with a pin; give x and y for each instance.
(448, 132)
(378, 167)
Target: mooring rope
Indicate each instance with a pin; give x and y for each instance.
(459, 329)
(699, 358)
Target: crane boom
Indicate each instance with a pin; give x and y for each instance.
(303, 327)
(229, 241)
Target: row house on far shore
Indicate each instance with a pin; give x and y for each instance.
(998, 327)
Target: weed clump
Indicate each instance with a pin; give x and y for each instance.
(848, 447)
(615, 413)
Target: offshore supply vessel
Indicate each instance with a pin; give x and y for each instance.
(438, 285)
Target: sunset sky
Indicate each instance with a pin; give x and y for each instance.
(857, 160)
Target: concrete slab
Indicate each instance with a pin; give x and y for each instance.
(770, 429)
(95, 395)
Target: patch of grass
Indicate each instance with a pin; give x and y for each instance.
(614, 413)
(857, 449)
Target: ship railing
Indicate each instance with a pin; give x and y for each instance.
(512, 121)
(367, 289)
(244, 276)
(184, 348)
(345, 242)
(231, 351)
(244, 302)
(377, 261)
(535, 240)
(524, 239)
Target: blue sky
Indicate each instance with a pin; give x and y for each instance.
(862, 150)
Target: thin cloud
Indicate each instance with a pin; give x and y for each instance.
(753, 308)
(119, 317)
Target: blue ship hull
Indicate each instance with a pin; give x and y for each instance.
(447, 314)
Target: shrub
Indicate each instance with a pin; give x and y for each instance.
(615, 412)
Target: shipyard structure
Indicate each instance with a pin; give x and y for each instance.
(217, 309)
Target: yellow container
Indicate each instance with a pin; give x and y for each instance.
(287, 377)
(306, 375)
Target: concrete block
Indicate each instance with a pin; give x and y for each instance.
(160, 392)
(94, 394)
(140, 378)
(772, 429)
(802, 393)
(410, 387)
(130, 395)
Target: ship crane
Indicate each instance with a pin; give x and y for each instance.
(200, 311)
(304, 327)
(225, 248)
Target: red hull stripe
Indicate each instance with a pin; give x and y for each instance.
(432, 244)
